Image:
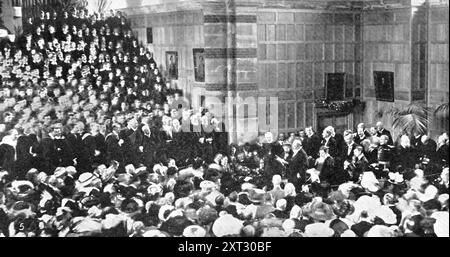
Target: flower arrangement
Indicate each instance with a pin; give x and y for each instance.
(341, 106)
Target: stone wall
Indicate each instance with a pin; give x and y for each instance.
(387, 47)
(179, 31)
(295, 50)
(262, 48)
(412, 42)
(438, 69)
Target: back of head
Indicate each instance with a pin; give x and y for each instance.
(281, 204)
(276, 180)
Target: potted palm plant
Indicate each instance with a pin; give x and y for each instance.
(411, 119)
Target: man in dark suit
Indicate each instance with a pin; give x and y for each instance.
(312, 143)
(56, 150)
(25, 143)
(348, 148)
(113, 145)
(329, 142)
(416, 140)
(385, 152)
(298, 164)
(428, 148)
(361, 134)
(382, 131)
(287, 154)
(131, 141)
(358, 165)
(74, 138)
(149, 142)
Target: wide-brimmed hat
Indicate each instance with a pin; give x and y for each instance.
(207, 185)
(207, 215)
(176, 225)
(154, 189)
(380, 231)
(318, 210)
(441, 227)
(273, 232)
(227, 225)
(132, 205)
(386, 214)
(22, 188)
(370, 182)
(257, 195)
(86, 179)
(366, 203)
(154, 233)
(194, 231)
(396, 178)
(318, 230)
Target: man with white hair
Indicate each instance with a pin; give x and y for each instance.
(329, 141)
(442, 152)
(382, 131)
(428, 149)
(273, 163)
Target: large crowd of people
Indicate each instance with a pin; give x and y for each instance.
(95, 142)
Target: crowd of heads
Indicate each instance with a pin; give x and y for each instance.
(92, 144)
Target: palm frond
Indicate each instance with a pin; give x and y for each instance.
(390, 111)
(410, 123)
(442, 111)
(411, 119)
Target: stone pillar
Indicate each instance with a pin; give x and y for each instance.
(231, 60)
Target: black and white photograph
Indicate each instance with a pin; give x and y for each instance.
(317, 118)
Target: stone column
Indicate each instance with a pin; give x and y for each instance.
(231, 60)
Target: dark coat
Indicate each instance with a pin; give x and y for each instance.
(24, 157)
(86, 159)
(428, 150)
(311, 145)
(149, 144)
(327, 170)
(347, 155)
(56, 153)
(386, 132)
(332, 146)
(358, 167)
(100, 145)
(442, 155)
(76, 143)
(385, 153)
(113, 149)
(358, 140)
(7, 153)
(406, 157)
(298, 165)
